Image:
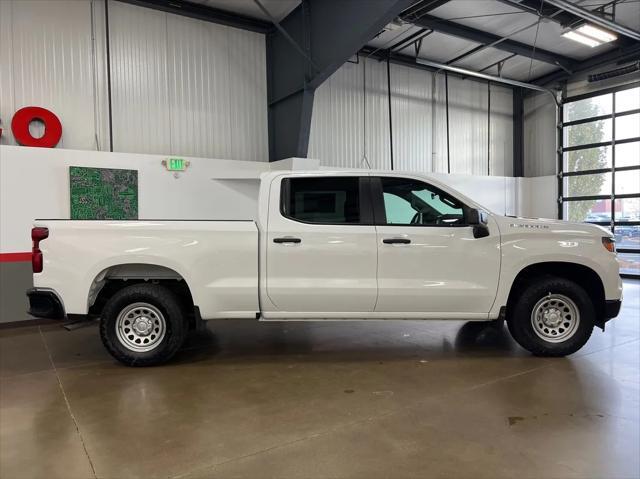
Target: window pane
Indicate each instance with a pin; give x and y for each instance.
(587, 185)
(596, 106)
(627, 209)
(628, 154)
(627, 182)
(413, 202)
(324, 200)
(628, 100)
(628, 236)
(628, 126)
(588, 159)
(590, 210)
(629, 263)
(586, 133)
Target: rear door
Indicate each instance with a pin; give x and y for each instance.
(321, 246)
(428, 258)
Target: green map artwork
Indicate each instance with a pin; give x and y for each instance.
(103, 193)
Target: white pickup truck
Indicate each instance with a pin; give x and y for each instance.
(329, 245)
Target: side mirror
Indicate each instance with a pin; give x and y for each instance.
(478, 219)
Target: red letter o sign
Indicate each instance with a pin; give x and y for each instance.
(20, 127)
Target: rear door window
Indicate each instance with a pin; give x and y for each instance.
(322, 200)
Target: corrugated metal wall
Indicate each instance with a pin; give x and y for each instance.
(338, 126)
(179, 86)
(46, 58)
(418, 106)
(184, 86)
(539, 135)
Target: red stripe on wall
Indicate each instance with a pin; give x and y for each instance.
(15, 257)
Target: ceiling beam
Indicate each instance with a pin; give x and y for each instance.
(485, 38)
(548, 12)
(309, 45)
(208, 14)
(421, 7)
(621, 54)
(592, 17)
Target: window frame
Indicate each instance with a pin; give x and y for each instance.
(364, 198)
(612, 197)
(379, 209)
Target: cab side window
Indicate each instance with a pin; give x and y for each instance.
(411, 202)
(322, 200)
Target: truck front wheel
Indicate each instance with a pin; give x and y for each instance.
(143, 325)
(551, 316)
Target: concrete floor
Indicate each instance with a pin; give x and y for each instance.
(318, 400)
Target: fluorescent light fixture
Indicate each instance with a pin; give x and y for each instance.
(597, 33)
(585, 40)
(589, 35)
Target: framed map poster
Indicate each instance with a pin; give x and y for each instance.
(103, 193)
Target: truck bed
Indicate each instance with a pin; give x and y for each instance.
(217, 259)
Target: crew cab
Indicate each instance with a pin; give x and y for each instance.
(329, 245)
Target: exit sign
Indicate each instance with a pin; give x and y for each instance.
(175, 164)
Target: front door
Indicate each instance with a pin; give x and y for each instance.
(428, 258)
(321, 246)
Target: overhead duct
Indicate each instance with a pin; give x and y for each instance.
(634, 67)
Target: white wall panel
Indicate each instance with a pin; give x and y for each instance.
(439, 125)
(46, 58)
(139, 80)
(179, 85)
(186, 87)
(412, 118)
(418, 106)
(468, 126)
(539, 135)
(501, 131)
(338, 124)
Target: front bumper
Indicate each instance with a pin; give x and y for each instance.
(45, 303)
(612, 308)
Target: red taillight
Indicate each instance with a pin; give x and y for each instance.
(37, 234)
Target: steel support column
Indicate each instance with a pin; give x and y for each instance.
(518, 132)
(329, 32)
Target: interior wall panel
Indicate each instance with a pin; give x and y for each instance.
(46, 60)
(539, 135)
(419, 119)
(412, 118)
(501, 131)
(142, 121)
(338, 124)
(468, 126)
(179, 86)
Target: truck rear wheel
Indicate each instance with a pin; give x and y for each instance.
(143, 325)
(551, 317)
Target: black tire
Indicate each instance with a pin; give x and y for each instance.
(519, 317)
(157, 298)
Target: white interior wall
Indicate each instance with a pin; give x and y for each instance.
(46, 59)
(179, 85)
(418, 107)
(539, 135)
(34, 183)
(187, 87)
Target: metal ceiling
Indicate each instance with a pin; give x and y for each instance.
(526, 35)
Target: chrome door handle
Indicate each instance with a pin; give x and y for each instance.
(396, 241)
(287, 239)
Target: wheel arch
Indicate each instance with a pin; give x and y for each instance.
(580, 274)
(118, 276)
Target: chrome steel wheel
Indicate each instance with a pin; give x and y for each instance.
(555, 318)
(140, 327)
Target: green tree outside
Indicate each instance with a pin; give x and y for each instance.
(588, 159)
